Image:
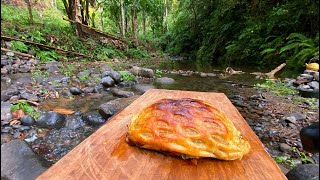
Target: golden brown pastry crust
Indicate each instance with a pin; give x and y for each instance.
(187, 127)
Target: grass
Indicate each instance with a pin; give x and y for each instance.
(278, 88)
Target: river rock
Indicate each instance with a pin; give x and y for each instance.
(307, 76)
(66, 93)
(142, 88)
(83, 74)
(51, 120)
(113, 74)
(304, 172)
(74, 122)
(165, 80)
(29, 96)
(120, 93)
(24, 69)
(52, 66)
(18, 161)
(7, 94)
(10, 54)
(203, 74)
(6, 111)
(294, 117)
(143, 72)
(314, 84)
(110, 108)
(285, 147)
(6, 138)
(105, 67)
(93, 118)
(27, 120)
(316, 76)
(107, 81)
(75, 91)
(310, 137)
(126, 84)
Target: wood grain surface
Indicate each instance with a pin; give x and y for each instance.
(106, 155)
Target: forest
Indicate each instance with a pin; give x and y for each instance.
(254, 33)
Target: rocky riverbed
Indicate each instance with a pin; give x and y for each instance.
(71, 100)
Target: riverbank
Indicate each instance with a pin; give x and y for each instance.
(79, 97)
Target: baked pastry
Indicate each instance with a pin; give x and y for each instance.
(188, 128)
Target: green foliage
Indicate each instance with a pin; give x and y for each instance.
(37, 74)
(24, 106)
(19, 46)
(125, 76)
(279, 88)
(303, 157)
(136, 53)
(285, 160)
(158, 73)
(45, 56)
(241, 32)
(68, 70)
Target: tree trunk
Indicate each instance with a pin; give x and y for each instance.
(166, 15)
(86, 20)
(101, 19)
(122, 19)
(144, 22)
(134, 22)
(29, 10)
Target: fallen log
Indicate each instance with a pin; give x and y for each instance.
(43, 46)
(17, 53)
(91, 30)
(270, 74)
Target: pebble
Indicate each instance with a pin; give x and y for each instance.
(285, 147)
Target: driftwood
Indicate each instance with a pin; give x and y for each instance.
(230, 71)
(17, 53)
(43, 46)
(270, 74)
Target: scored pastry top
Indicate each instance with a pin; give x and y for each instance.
(189, 128)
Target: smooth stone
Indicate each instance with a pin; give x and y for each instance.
(294, 117)
(316, 76)
(310, 72)
(11, 54)
(89, 90)
(110, 108)
(105, 67)
(107, 81)
(27, 120)
(284, 147)
(93, 118)
(113, 74)
(83, 74)
(18, 161)
(29, 96)
(142, 88)
(51, 120)
(310, 137)
(6, 111)
(74, 122)
(24, 69)
(126, 84)
(314, 84)
(203, 74)
(7, 94)
(120, 93)
(75, 91)
(6, 138)
(304, 172)
(165, 80)
(143, 72)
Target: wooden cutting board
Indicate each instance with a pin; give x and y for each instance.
(106, 155)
